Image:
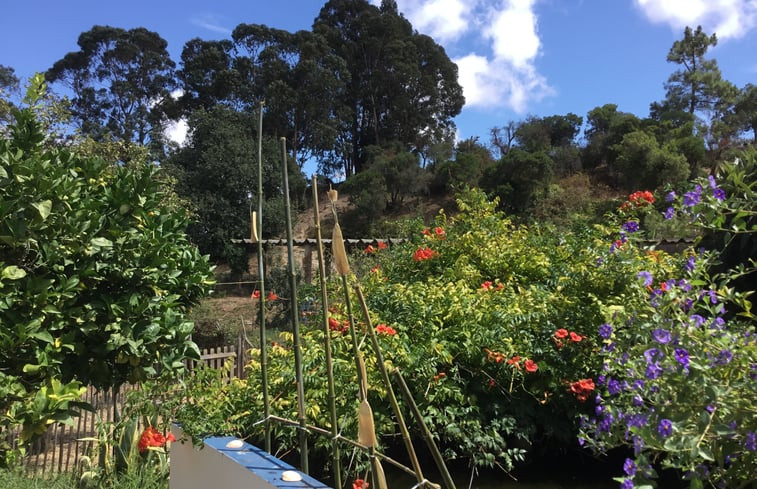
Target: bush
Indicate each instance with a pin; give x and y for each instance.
(96, 274)
(680, 358)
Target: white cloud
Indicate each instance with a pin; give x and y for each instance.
(444, 20)
(497, 83)
(726, 18)
(210, 22)
(503, 73)
(513, 32)
(176, 131)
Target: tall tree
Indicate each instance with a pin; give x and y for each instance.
(694, 87)
(216, 173)
(8, 88)
(402, 85)
(697, 89)
(301, 81)
(208, 76)
(119, 79)
(745, 110)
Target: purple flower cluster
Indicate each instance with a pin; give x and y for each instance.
(661, 336)
(690, 199)
(605, 331)
(750, 441)
(665, 428)
(630, 227)
(646, 276)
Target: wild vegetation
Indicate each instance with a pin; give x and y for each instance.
(538, 311)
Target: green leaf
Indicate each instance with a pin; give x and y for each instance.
(706, 454)
(13, 272)
(102, 242)
(42, 335)
(44, 208)
(3, 173)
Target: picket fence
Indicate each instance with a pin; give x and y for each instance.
(61, 448)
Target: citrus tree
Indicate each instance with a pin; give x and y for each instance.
(96, 274)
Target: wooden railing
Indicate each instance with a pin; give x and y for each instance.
(61, 448)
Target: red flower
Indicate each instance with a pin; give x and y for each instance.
(582, 388)
(272, 296)
(423, 253)
(370, 249)
(495, 356)
(530, 366)
(663, 286)
(486, 285)
(255, 295)
(153, 438)
(427, 232)
(575, 337)
(375, 269)
(561, 333)
(439, 376)
(384, 329)
(492, 383)
(360, 484)
(638, 199)
(382, 245)
(514, 361)
(440, 233)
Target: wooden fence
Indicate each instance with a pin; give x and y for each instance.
(60, 449)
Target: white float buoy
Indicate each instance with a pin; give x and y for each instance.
(235, 444)
(291, 476)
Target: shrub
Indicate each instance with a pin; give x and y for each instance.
(96, 274)
(680, 358)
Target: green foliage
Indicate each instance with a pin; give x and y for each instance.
(519, 179)
(472, 159)
(217, 174)
(461, 298)
(13, 479)
(678, 372)
(642, 163)
(117, 76)
(96, 275)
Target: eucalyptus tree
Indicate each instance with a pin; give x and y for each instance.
(301, 81)
(119, 79)
(402, 85)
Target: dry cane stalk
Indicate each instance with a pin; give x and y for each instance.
(253, 227)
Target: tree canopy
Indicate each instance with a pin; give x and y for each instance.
(96, 274)
(119, 79)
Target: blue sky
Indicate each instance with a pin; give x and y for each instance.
(516, 57)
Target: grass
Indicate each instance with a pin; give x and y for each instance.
(11, 479)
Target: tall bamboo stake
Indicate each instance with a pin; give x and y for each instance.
(388, 384)
(303, 434)
(448, 482)
(366, 429)
(337, 469)
(261, 277)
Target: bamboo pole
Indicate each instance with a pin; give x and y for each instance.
(446, 477)
(261, 277)
(337, 468)
(303, 435)
(366, 427)
(388, 384)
